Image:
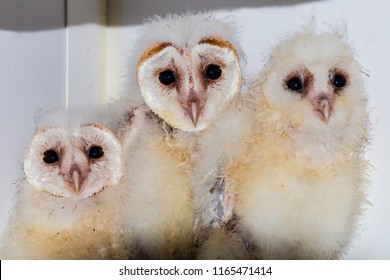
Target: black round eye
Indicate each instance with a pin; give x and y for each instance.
(213, 72)
(294, 84)
(50, 156)
(339, 80)
(167, 77)
(95, 152)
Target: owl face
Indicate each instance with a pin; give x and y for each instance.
(314, 81)
(187, 82)
(77, 162)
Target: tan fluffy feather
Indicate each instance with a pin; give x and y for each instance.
(300, 187)
(157, 200)
(47, 227)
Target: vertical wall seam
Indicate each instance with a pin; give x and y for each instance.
(66, 54)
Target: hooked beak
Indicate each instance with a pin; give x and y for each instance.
(194, 107)
(323, 105)
(77, 181)
(325, 109)
(76, 178)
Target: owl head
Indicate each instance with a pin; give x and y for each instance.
(73, 160)
(188, 68)
(314, 86)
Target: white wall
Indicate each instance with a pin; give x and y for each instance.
(32, 73)
(32, 57)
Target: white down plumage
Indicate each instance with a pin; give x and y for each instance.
(63, 208)
(188, 71)
(300, 186)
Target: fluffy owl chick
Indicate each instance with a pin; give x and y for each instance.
(188, 74)
(188, 68)
(300, 186)
(157, 198)
(66, 208)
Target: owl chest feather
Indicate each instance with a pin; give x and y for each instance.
(49, 227)
(280, 199)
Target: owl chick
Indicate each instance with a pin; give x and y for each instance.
(189, 75)
(188, 68)
(300, 185)
(65, 207)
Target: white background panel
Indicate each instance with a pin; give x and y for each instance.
(32, 64)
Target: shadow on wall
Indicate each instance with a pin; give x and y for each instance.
(24, 15)
(140, 10)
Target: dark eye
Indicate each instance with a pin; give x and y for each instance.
(95, 152)
(294, 84)
(213, 72)
(50, 156)
(167, 77)
(339, 80)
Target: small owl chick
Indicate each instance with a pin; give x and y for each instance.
(300, 185)
(65, 207)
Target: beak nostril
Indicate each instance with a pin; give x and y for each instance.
(323, 97)
(193, 99)
(192, 96)
(74, 168)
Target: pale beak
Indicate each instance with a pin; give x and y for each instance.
(194, 109)
(325, 110)
(76, 178)
(77, 181)
(323, 105)
(193, 106)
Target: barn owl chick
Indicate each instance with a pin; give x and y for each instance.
(157, 209)
(188, 68)
(300, 186)
(74, 163)
(188, 71)
(65, 208)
